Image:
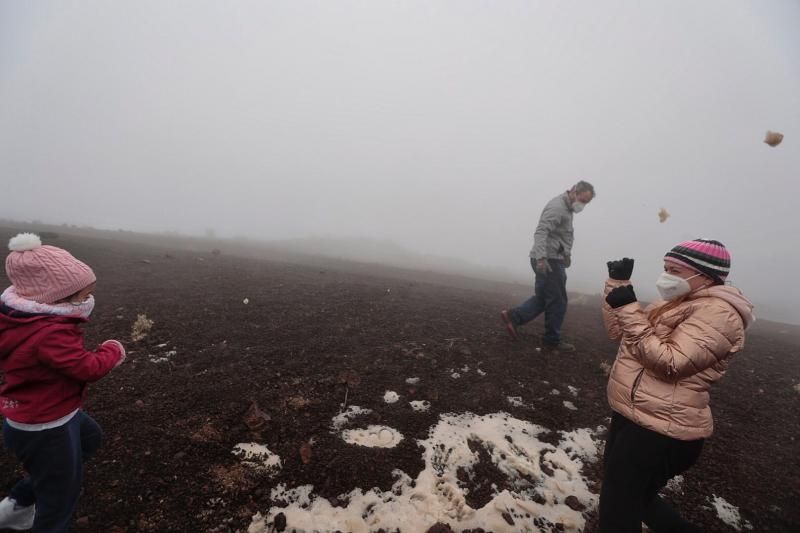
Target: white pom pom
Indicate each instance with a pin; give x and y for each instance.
(24, 242)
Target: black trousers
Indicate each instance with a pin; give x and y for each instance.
(53, 459)
(637, 464)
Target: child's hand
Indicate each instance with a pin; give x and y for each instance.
(121, 350)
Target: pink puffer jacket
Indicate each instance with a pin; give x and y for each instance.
(664, 370)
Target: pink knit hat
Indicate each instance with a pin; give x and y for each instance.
(706, 256)
(44, 274)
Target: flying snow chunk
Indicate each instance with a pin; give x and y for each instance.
(773, 138)
(663, 215)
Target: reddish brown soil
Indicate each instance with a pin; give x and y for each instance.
(170, 428)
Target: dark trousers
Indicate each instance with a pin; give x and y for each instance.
(637, 464)
(53, 460)
(550, 298)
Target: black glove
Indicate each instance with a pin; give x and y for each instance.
(620, 269)
(621, 296)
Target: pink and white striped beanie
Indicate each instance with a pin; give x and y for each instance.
(705, 256)
(44, 274)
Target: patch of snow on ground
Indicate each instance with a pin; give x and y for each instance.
(390, 396)
(164, 358)
(570, 406)
(481, 372)
(373, 437)
(465, 369)
(257, 456)
(536, 472)
(581, 443)
(675, 485)
(412, 381)
(555, 392)
(420, 405)
(517, 401)
(573, 390)
(728, 513)
(455, 375)
(340, 420)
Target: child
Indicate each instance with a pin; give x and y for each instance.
(46, 370)
(669, 355)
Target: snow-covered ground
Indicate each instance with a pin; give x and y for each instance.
(541, 478)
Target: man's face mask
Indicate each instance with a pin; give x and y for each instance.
(577, 206)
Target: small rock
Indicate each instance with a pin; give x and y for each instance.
(280, 522)
(507, 518)
(305, 453)
(139, 403)
(574, 503)
(180, 455)
(82, 521)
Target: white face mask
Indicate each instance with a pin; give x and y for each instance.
(671, 287)
(577, 207)
(84, 308)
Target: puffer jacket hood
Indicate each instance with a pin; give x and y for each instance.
(733, 296)
(664, 369)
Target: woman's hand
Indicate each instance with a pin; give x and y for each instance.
(621, 296)
(620, 269)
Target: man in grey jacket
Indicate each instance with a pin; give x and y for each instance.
(550, 257)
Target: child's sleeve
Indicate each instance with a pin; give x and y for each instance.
(62, 350)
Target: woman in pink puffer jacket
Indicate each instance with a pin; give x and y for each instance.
(670, 353)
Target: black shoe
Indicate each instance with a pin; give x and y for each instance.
(563, 347)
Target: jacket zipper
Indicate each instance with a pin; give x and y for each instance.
(636, 384)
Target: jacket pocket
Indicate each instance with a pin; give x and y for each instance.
(636, 384)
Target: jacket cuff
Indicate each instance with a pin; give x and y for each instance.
(118, 344)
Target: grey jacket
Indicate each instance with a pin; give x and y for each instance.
(554, 236)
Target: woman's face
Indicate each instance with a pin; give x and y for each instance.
(695, 279)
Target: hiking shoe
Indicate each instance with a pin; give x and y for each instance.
(15, 516)
(509, 324)
(560, 347)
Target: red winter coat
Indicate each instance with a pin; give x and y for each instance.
(46, 367)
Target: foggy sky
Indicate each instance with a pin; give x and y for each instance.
(442, 126)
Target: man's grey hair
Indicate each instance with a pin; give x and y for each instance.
(584, 186)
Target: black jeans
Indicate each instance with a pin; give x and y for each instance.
(550, 297)
(637, 464)
(53, 459)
